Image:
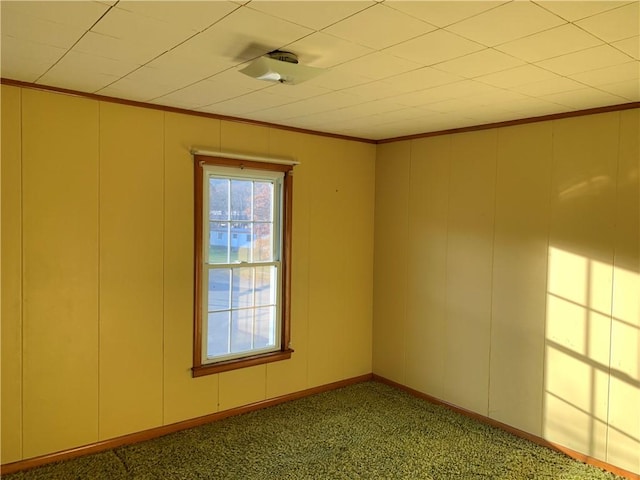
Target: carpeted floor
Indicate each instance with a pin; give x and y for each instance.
(365, 431)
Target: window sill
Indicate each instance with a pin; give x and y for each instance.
(211, 368)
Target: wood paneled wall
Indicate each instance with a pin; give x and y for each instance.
(507, 277)
(97, 269)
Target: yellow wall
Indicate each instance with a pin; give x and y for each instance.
(504, 279)
(507, 277)
(97, 274)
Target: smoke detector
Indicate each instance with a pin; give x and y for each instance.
(280, 66)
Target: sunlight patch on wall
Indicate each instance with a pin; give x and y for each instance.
(592, 358)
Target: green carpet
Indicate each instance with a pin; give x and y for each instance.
(368, 431)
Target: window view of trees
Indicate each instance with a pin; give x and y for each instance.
(240, 220)
(242, 299)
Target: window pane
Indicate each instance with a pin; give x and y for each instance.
(218, 334)
(241, 199)
(262, 202)
(218, 242)
(263, 242)
(265, 286)
(242, 294)
(218, 199)
(241, 330)
(219, 283)
(265, 327)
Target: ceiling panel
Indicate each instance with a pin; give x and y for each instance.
(392, 67)
(506, 23)
(630, 46)
(378, 27)
(193, 15)
(613, 25)
(435, 47)
(77, 14)
(551, 43)
(311, 14)
(573, 10)
(585, 60)
(480, 63)
(443, 13)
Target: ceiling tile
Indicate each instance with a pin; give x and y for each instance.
(463, 88)
(506, 23)
(244, 35)
(548, 87)
(126, 25)
(321, 103)
(116, 48)
(434, 47)
(251, 102)
(551, 43)
(573, 10)
(312, 14)
(422, 78)
(377, 66)
(375, 90)
(171, 78)
(81, 80)
(323, 50)
(603, 76)
(133, 90)
(533, 107)
(584, 60)
(202, 94)
(77, 14)
(194, 15)
(628, 89)
(195, 65)
(74, 62)
(630, 46)
(613, 25)
(12, 48)
(479, 63)
(585, 98)
(517, 76)
(15, 23)
(379, 27)
(337, 80)
(443, 13)
(297, 92)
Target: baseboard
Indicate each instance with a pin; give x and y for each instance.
(514, 431)
(174, 427)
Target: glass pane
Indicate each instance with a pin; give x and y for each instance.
(219, 286)
(262, 242)
(264, 334)
(218, 242)
(262, 201)
(241, 330)
(218, 199)
(218, 333)
(242, 294)
(241, 199)
(265, 286)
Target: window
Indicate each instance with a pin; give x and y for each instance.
(242, 258)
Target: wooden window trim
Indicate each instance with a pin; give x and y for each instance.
(200, 369)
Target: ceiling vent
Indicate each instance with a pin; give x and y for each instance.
(280, 66)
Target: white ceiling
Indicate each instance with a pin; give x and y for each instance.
(394, 67)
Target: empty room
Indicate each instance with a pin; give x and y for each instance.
(320, 239)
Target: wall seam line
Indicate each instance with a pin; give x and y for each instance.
(493, 256)
(22, 282)
(613, 280)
